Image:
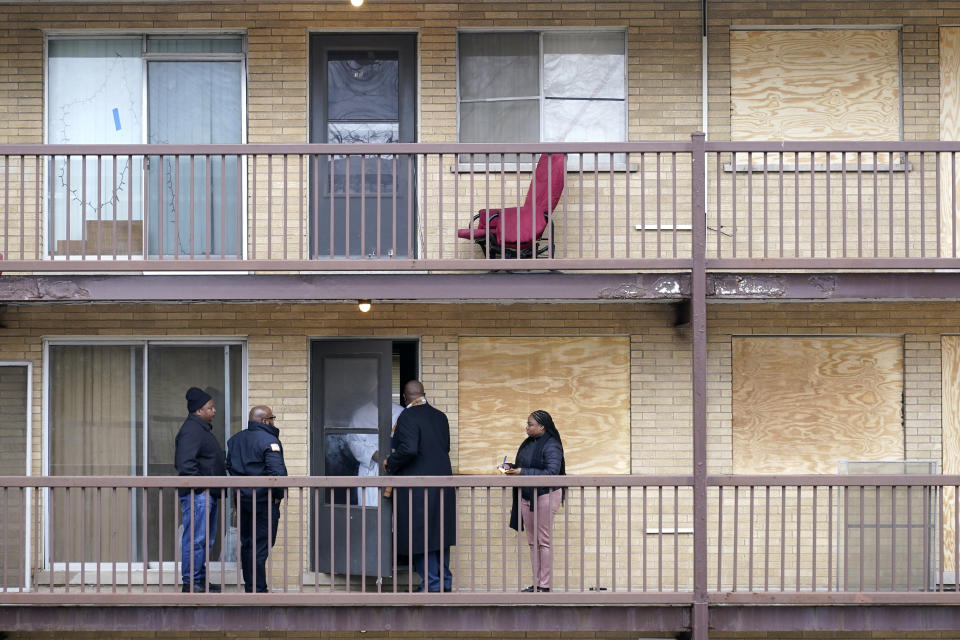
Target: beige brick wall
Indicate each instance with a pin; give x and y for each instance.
(663, 43)
(277, 339)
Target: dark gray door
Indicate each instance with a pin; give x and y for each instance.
(350, 434)
(363, 90)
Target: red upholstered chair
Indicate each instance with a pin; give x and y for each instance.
(519, 230)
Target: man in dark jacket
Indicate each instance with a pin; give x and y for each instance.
(256, 451)
(198, 453)
(421, 447)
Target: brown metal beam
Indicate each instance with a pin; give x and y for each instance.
(468, 287)
(374, 618)
(649, 619)
(835, 619)
(308, 288)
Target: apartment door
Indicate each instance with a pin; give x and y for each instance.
(363, 90)
(350, 434)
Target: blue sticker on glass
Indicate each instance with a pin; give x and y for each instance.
(116, 118)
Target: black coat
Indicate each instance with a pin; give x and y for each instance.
(197, 452)
(256, 451)
(540, 456)
(421, 446)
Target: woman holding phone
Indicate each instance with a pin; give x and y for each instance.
(541, 454)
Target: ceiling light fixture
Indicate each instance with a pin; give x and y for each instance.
(356, 3)
(363, 305)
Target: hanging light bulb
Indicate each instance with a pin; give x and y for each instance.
(356, 3)
(363, 305)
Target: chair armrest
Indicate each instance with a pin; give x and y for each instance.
(486, 219)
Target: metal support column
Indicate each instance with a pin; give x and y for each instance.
(698, 311)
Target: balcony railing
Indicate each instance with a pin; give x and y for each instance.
(631, 206)
(616, 540)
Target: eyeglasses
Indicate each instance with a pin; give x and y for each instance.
(270, 418)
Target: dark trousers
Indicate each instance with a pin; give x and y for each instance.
(256, 538)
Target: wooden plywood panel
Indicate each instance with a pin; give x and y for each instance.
(828, 84)
(584, 383)
(801, 404)
(950, 436)
(949, 130)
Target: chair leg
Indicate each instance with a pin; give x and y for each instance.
(494, 248)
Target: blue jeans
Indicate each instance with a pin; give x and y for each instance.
(196, 544)
(431, 579)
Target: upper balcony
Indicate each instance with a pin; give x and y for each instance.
(640, 206)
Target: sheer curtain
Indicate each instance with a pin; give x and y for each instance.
(499, 87)
(13, 462)
(194, 102)
(96, 427)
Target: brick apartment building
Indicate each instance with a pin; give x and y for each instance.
(742, 308)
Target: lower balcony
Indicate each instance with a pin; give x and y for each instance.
(847, 552)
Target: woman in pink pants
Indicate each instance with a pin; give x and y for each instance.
(541, 454)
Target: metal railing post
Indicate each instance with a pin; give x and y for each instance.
(698, 311)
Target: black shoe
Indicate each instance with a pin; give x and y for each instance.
(529, 589)
(198, 588)
(547, 589)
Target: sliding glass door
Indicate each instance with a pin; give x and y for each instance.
(115, 409)
(159, 89)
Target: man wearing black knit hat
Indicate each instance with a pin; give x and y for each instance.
(198, 453)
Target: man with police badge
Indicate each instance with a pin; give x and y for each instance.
(256, 451)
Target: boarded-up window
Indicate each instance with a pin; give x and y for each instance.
(827, 84)
(584, 383)
(802, 404)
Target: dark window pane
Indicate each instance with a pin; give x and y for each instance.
(507, 121)
(363, 86)
(499, 65)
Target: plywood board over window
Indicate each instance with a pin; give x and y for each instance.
(950, 425)
(584, 383)
(802, 404)
(949, 130)
(818, 84)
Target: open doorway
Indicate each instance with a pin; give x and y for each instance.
(354, 401)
